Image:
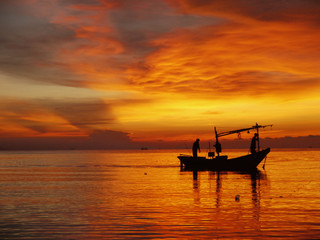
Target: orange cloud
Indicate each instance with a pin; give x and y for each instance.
(28, 118)
(178, 69)
(233, 59)
(53, 118)
(246, 68)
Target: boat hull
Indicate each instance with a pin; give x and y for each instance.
(246, 163)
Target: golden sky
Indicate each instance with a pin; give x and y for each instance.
(159, 69)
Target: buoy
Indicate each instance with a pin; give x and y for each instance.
(237, 198)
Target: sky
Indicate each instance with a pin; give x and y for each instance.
(158, 70)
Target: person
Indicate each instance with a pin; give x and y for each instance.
(253, 143)
(218, 147)
(195, 148)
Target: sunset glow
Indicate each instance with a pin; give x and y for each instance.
(158, 70)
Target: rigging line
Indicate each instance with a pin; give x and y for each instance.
(265, 159)
(241, 130)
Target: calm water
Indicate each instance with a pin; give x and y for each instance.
(144, 195)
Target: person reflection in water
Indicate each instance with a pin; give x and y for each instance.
(195, 148)
(253, 143)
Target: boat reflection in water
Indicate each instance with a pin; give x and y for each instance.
(231, 196)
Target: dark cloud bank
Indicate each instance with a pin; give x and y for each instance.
(101, 140)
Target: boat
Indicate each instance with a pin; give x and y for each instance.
(217, 162)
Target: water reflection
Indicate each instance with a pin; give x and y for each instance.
(110, 195)
(240, 191)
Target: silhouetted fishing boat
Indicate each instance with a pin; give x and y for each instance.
(222, 163)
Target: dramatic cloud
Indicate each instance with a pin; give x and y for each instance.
(97, 140)
(239, 57)
(158, 69)
(29, 45)
(48, 117)
(273, 10)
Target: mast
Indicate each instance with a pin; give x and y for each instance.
(217, 145)
(215, 130)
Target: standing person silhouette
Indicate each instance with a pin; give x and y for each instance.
(218, 148)
(195, 148)
(253, 143)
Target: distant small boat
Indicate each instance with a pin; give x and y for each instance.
(222, 163)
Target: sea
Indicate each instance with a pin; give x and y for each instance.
(143, 194)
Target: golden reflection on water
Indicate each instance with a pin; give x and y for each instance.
(233, 191)
(125, 195)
